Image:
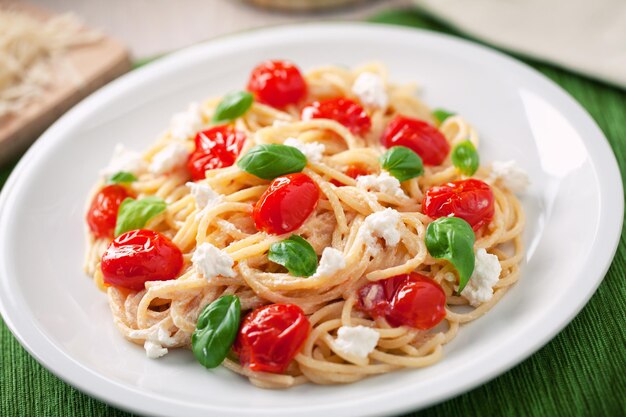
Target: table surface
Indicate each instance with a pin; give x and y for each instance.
(581, 372)
(152, 27)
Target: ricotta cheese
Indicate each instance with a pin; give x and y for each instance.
(357, 341)
(186, 124)
(204, 195)
(125, 160)
(169, 158)
(313, 150)
(479, 288)
(155, 338)
(154, 350)
(383, 183)
(211, 262)
(382, 224)
(510, 174)
(370, 89)
(331, 261)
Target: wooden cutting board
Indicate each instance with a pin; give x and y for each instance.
(92, 66)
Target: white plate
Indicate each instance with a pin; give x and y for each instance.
(574, 210)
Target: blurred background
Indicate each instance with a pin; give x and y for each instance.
(55, 52)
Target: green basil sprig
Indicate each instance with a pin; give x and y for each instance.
(441, 115)
(271, 161)
(453, 239)
(216, 330)
(402, 163)
(232, 106)
(295, 254)
(122, 177)
(465, 157)
(134, 214)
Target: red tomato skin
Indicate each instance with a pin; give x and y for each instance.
(343, 110)
(356, 170)
(286, 204)
(421, 137)
(138, 256)
(412, 300)
(217, 147)
(277, 83)
(271, 336)
(102, 213)
(419, 302)
(471, 200)
(353, 171)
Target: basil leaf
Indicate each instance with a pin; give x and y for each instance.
(271, 161)
(295, 254)
(465, 157)
(441, 115)
(134, 214)
(232, 106)
(216, 330)
(122, 177)
(453, 239)
(402, 163)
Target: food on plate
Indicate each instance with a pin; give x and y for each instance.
(317, 228)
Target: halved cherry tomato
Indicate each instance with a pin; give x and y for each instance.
(421, 137)
(277, 83)
(102, 213)
(412, 300)
(343, 110)
(353, 171)
(271, 336)
(286, 204)
(138, 256)
(217, 147)
(470, 200)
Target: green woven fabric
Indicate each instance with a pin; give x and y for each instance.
(579, 373)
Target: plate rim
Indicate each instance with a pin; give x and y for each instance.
(133, 399)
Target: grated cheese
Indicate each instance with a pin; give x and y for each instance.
(29, 49)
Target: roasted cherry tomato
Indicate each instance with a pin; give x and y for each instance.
(277, 83)
(138, 256)
(343, 110)
(271, 336)
(470, 200)
(102, 213)
(217, 147)
(286, 204)
(412, 300)
(421, 137)
(353, 171)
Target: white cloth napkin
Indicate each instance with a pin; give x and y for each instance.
(586, 36)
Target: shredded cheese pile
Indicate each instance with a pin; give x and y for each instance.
(29, 49)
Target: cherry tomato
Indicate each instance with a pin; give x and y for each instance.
(102, 213)
(412, 300)
(217, 147)
(356, 170)
(286, 204)
(271, 336)
(353, 171)
(343, 110)
(277, 83)
(138, 256)
(419, 136)
(470, 200)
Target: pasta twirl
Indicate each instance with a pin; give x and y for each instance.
(165, 312)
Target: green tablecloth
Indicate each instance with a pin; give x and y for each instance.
(582, 372)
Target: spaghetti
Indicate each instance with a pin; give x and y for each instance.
(164, 313)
